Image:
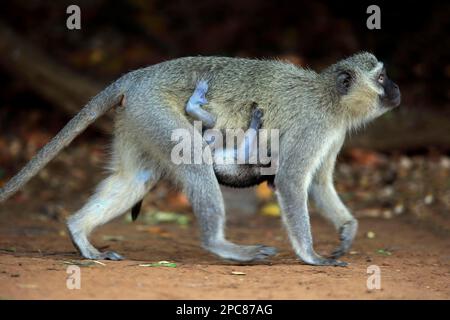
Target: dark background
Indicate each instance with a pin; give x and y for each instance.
(413, 40)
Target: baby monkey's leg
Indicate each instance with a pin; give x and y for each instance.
(248, 148)
(195, 102)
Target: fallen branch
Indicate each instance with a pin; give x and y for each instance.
(57, 84)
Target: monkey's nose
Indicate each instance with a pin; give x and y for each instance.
(395, 101)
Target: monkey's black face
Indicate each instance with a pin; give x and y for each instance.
(391, 96)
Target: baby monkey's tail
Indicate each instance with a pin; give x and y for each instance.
(95, 108)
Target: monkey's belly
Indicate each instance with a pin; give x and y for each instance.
(241, 176)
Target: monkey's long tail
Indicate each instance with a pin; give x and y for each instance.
(95, 108)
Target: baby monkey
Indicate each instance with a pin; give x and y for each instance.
(226, 161)
(247, 148)
(240, 166)
(310, 113)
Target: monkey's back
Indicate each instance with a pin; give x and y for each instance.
(233, 85)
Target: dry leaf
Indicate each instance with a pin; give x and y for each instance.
(263, 191)
(365, 157)
(271, 210)
(154, 230)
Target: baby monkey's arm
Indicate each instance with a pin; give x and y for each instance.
(195, 102)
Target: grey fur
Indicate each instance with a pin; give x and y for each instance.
(311, 114)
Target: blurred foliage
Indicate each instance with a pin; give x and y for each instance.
(122, 35)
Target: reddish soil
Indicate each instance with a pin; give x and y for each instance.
(414, 258)
(34, 252)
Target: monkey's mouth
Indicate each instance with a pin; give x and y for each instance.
(392, 100)
(395, 102)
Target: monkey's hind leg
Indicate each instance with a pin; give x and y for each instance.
(200, 184)
(195, 102)
(114, 196)
(202, 188)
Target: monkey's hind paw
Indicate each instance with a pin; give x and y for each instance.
(242, 253)
(253, 253)
(337, 253)
(111, 255)
(330, 262)
(337, 263)
(107, 255)
(264, 252)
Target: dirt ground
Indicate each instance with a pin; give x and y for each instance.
(414, 257)
(34, 254)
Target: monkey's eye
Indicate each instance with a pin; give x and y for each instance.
(381, 78)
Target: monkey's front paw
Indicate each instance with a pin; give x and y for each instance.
(111, 255)
(317, 260)
(347, 233)
(334, 262)
(329, 262)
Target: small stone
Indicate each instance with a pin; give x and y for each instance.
(428, 199)
(387, 191)
(387, 214)
(405, 163)
(445, 162)
(399, 208)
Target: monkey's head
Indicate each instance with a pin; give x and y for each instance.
(363, 88)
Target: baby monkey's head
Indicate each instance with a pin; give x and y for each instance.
(363, 88)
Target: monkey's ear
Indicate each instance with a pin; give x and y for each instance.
(343, 82)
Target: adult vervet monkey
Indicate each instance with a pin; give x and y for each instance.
(313, 111)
